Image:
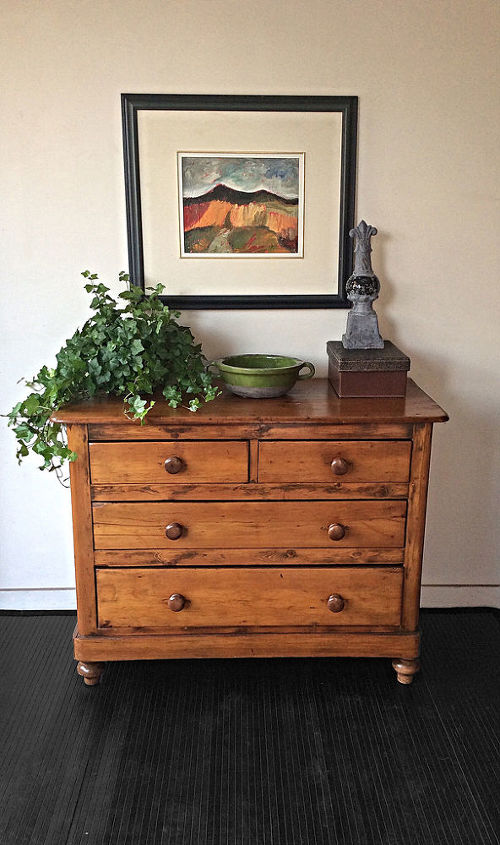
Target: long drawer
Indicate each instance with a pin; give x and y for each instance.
(190, 525)
(180, 598)
(343, 460)
(164, 461)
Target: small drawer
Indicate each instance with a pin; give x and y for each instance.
(340, 460)
(247, 525)
(169, 461)
(182, 598)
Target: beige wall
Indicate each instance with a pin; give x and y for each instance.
(427, 80)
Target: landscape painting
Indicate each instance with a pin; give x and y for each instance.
(241, 204)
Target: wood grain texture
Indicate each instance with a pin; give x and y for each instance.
(417, 503)
(184, 645)
(248, 557)
(124, 525)
(362, 461)
(308, 402)
(140, 597)
(246, 492)
(249, 431)
(253, 463)
(203, 461)
(82, 529)
(250, 629)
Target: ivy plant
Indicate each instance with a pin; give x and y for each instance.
(134, 348)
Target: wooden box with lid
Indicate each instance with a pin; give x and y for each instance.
(253, 528)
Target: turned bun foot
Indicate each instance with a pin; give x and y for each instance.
(405, 669)
(90, 672)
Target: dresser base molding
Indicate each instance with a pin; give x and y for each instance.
(96, 649)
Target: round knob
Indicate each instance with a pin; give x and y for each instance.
(336, 531)
(335, 603)
(174, 530)
(339, 466)
(176, 602)
(174, 464)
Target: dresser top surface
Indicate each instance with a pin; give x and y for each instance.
(309, 402)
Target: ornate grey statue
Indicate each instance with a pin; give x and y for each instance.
(362, 289)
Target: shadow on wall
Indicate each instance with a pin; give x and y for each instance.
(387, 289)
(460, 545)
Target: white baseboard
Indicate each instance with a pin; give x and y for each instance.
(462, 595)
(40, 599)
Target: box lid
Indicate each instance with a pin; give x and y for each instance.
(366, 360)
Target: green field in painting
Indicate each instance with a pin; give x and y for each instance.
(254, 239)
(199, 240)
(240, 239)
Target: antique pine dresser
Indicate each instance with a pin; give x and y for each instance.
(253, 528)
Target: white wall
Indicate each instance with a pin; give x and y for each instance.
(426, 75)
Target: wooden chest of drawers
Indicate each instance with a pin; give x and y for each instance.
(253, 528)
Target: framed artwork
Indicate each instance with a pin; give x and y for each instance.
(240, 202)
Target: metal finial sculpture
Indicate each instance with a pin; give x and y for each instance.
(362, 289)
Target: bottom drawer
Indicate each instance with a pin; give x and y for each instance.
(191, 598)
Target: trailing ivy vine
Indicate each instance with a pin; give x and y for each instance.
(131, 349)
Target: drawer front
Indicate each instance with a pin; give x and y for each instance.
(341, 460)
(191, 525)
(167, 461)
(141, 598)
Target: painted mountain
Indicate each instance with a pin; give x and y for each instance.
(229, 221)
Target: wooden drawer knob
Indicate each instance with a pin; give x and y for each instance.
(174, 530)
(176, 602)
(339, 466)
(335, 603)
(174, 464)
(336, 531)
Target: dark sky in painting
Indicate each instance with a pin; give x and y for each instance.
(248, 173)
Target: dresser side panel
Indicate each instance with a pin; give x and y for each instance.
(415, 525)
(82, 529)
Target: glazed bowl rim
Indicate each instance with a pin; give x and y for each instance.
(236, 368)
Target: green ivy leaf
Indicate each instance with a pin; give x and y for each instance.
(31, 405)
(129, 351)
(136, 347)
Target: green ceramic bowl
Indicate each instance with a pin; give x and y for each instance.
(261, 376)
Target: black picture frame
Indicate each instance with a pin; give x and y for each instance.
(347, 106)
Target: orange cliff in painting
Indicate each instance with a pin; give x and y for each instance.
(224, 209)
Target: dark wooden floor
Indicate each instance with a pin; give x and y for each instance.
(245, 752)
